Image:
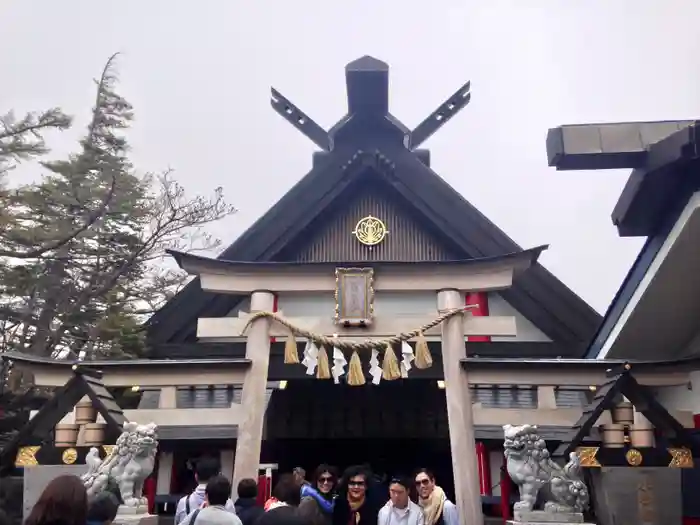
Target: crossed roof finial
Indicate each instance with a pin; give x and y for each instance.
(367, 81)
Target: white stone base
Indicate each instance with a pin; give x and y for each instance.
(536, 517)
(513, 522)
(130, 511)
(126, 517)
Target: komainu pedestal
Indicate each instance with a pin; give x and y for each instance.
(531, 468)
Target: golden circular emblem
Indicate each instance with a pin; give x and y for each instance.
(634, 457)
(370, 231)
(70, 455)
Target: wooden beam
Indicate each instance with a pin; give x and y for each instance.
(232, 327)
(401, 280)
(615, 145)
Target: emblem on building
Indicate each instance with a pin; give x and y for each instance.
(69, 456)
(370, 231)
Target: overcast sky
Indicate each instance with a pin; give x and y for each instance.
(199, 73)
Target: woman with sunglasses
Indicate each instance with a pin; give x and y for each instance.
(317, 500)
(355, 504)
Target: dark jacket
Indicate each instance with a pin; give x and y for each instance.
(286, 515)
(247, 510)
(311, 511)
(368, 511)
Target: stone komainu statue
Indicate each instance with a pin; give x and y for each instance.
(127, 467)
(531, 468)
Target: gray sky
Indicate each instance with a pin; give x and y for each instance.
(199, 73)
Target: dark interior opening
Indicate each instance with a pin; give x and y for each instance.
(395, 427)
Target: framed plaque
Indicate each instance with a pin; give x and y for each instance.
(354, 296)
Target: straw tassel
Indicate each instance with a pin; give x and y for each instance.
(291, 353)
(324, 370)
(423, 358)
(390, 365)
(356, 376)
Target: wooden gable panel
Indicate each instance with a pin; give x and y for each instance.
(330, 237)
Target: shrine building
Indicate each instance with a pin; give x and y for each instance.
(361, 316)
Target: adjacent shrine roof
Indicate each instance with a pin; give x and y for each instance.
(665, 158)
(370, 142)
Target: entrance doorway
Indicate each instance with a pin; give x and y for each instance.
(395, 427)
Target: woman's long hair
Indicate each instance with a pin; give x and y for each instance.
(64, 501)
(320, 471)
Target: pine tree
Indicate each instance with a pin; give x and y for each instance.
(83, 247)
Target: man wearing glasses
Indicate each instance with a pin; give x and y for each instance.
(437, 509)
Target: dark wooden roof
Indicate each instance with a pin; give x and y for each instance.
(369, 141)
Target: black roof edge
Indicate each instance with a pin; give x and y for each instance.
(96, 365)
(688, 363)
(684, 364)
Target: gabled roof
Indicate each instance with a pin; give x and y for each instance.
(84, 382)
(369, 141)
(622, 383)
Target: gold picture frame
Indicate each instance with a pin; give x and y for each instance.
(354, 296)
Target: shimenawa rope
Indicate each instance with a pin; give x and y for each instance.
(369, 344)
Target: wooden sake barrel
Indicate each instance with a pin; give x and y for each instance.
(613, 435)
(93, 434)
(66, 434)
(623, 413)
(641, 433)
(85, 413)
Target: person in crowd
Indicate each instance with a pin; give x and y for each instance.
(102, 509)
(355, 504)
(300, 476)
(284, 511)
(400, 510)
(205, 469)
(213, 510)
(437, 509)
(63, 502)
(317, 502)
(246, 504)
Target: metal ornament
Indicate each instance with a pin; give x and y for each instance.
(370, 231)
(634, 457)
(69, 456)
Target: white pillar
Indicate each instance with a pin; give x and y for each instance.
(250, 428)
(165, 472)
(226, 460)
(546, 397)
(167, 397)
(459, 413)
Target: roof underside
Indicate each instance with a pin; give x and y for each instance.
(373, 146)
